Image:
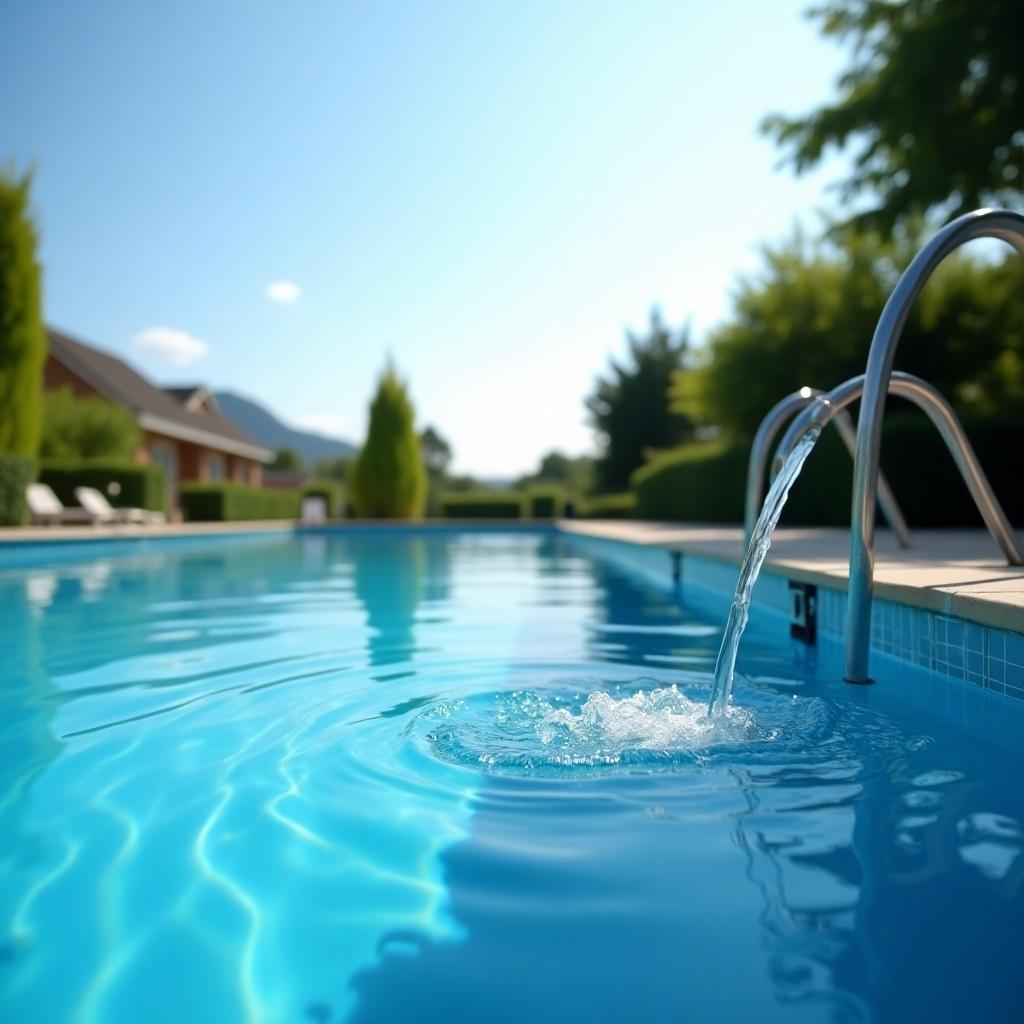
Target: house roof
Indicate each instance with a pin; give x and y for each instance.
(192, 396)
(156, 409)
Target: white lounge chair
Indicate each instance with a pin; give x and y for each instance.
(314, 511)
(95, 503)
(46, 508)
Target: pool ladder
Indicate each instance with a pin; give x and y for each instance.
(872, 387)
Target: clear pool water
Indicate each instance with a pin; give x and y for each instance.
(468, 776)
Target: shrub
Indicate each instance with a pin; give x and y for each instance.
(609, 506)
(706, 483)
(333, 494)
(483, 505)
(16, 473)
(926, 481)
(697, 483)
(86, 428)
(22, 338)
(224, 502)
(389, 480)
(547, 502)
(135, 486)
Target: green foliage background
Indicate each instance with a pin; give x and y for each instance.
(932, 104)
(286, 460)
(86, 428)
(808, 319)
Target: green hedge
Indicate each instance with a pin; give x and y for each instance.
(697, 483)
(706, 482)
(332, 492)
(547, 502)
(609, 506)
(137, 486)
(16, 473)
(483, 505)
(223, 502)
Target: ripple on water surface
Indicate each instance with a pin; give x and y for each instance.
(635, 727)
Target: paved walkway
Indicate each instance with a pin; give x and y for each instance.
(959, 572)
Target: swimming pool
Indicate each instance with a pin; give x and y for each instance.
(362, 776)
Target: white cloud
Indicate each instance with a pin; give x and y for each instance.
(173, 346)
(283, 291)
(329, 424)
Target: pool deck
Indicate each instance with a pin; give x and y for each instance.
(956, 572)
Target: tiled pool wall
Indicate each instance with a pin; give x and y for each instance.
(984, 655)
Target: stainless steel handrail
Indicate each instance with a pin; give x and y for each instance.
(1001, 224)
(772, 423)
(939, 411)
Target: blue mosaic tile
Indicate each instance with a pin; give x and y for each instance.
(1015, 649)
(975, 667)
(996, 671)
(956, 649)
(975, 637)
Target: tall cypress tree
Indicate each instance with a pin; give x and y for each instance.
(389, 480)
(22, 338)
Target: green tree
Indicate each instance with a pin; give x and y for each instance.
(437, 457)
(808, 319)
(86, 428)
(389, 479)
(22, 338)
(437, 453)
(286, 460)
(933, 101)
(334, 469)
(575, 474)
(629, 408)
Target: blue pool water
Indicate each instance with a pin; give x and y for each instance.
(469, 776)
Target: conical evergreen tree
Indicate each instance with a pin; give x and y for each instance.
(389, 480)
(22, 339)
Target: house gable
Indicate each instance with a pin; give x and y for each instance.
(88, 370)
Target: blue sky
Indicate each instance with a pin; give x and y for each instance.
(490, 192)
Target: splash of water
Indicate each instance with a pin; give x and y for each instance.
(662, 719)
(757, 551)
(529, 732)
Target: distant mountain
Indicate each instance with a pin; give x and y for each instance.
(269, 431)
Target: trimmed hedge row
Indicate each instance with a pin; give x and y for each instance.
(706, 482)
(16, 473)
(547, 502)
(134, 486)
(697, 483)
(224, 502)
(609, 506)
(483, 505)
(537, 503)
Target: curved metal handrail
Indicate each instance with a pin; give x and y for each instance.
(772, 423)
(1001, 224)
(939, 411)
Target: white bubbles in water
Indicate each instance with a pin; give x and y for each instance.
(663, 719)
(525, 731)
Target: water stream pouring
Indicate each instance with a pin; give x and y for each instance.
(757, 551)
